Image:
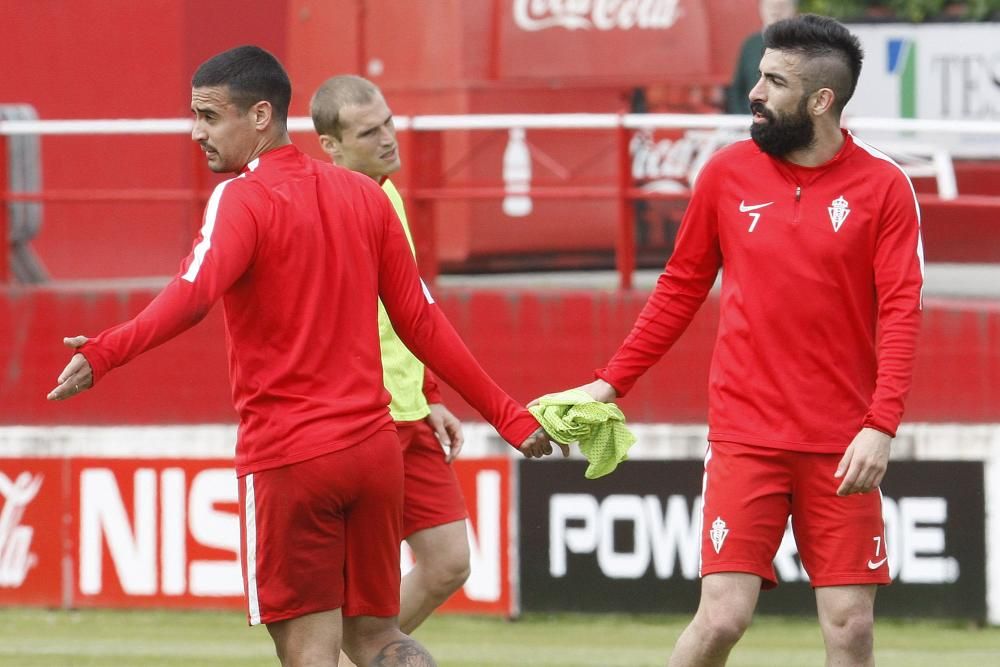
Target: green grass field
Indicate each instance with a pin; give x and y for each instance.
(38, 638)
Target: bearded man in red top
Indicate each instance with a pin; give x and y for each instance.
(818, 238)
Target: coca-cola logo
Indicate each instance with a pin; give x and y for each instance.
(534, 15)
(673, 164)
(15, 540)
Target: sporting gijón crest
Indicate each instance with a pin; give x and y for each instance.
(839, 211)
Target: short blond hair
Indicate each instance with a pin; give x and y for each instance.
(335, 94)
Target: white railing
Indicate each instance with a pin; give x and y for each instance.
(507, 121)
(906, 140)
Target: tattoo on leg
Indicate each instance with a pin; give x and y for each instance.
(403, 653)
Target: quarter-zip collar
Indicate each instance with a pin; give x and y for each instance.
(804, 176)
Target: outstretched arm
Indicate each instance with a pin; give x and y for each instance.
(221, 254)
(680, 290)
(428, 334)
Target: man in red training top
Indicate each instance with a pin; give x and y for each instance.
(300, 251)
(818, 238)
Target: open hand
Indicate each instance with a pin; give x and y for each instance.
(77, 376)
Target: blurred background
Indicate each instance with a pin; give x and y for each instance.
(549, 148)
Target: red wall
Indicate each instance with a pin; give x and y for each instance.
(126, 59)
(532, 342)
(966, 229)
(120, 59)
(440, 56)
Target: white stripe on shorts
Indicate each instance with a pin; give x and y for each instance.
(885, 543)
(701, 519)
(253, 604)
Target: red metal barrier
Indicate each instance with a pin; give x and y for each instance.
(625, 248)
(4, 217)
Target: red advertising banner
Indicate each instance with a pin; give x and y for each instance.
(33, 531)
(489, 589)
(119, 533)
(155, 533)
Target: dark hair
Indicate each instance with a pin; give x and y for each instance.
(832, 55)
(335, 94)
(251, 74)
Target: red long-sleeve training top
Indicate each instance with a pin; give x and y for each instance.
(822, 271)
(299, 250)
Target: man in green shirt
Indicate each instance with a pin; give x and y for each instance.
(355, 129)
(748, 66)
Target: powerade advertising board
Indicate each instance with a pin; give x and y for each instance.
(629, 541)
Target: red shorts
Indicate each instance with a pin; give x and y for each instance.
(749, 493)
(432, 496)
(324, 534)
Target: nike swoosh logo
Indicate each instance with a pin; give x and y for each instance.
(744, 208)
(876, 565)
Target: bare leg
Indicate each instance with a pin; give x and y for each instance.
(312, 640)
(442, 566)
(847, 618)
(727, 604)
(377, 642)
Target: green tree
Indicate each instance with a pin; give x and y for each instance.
(914, 11)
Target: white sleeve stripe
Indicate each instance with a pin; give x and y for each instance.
(211, 211)
(427, 292)
(916, 205)
(874, 152)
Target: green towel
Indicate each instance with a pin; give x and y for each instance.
(574, 416)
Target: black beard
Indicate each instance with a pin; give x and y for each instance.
(782, 133)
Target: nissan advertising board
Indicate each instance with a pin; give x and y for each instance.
(120, 533)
